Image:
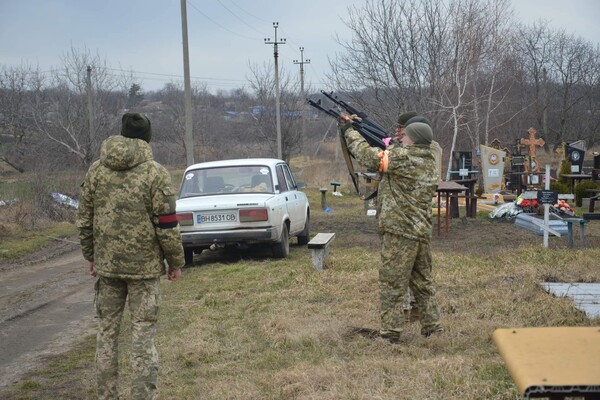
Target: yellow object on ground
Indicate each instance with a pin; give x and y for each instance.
(547, 362)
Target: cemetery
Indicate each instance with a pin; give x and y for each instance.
(515, 183)
(538, 190)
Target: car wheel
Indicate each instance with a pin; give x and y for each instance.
(188, 254)
(303, 236)
(281, 249)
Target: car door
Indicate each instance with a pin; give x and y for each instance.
(295, 200)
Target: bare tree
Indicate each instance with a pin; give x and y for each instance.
(443, 59)
(263, 85)
(16, 85)
(60, 111)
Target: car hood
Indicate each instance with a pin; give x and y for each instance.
(223, 202)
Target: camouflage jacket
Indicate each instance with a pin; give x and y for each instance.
(405, 191)
(126, 218)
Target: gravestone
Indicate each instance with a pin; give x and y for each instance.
(492, 163)
(596, 169)
(575, 155)
(517, 163)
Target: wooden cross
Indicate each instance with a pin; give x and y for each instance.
(518, 146)
(532, 142)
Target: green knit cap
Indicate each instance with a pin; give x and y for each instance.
(418, 118)
(137, 126)
(404, 117)
(420, 133)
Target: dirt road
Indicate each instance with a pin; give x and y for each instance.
(44, 308)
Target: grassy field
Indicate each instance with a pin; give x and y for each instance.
(246, 326)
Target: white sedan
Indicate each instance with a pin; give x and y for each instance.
(240, 203)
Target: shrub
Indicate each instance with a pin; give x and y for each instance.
(560, 187)
(565, 169)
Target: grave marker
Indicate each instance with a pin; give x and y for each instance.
(532, 142)
(575, 155)
(462, 162)
(492, 162)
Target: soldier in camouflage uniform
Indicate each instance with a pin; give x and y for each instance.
(127, 229)
(409, 181)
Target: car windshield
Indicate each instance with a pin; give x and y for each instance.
(228, 179)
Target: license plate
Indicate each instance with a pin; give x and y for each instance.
(210, 218)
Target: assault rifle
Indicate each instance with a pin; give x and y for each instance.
(372, 131)
(369, 129)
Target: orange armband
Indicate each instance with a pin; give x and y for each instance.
(383, 163)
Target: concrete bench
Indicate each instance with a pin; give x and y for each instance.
(319, 248)
(581, 222)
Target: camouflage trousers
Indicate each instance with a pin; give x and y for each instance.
(144, 299)
(406, 264)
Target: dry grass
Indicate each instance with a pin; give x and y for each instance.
(244, 326)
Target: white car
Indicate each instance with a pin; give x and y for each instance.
(240, 203)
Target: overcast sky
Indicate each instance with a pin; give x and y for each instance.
(225, 36)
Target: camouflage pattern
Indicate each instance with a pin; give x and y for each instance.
(406, 263)
(404, 218)
(122, 197)
(144, 300)
(405, 191)
(128, 228)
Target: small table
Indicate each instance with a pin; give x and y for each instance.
(447, 188)
(574, 178)
(552, 362)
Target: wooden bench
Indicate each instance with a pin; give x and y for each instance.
(582, 222)
(319, 248)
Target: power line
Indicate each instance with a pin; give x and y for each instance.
(220, 81)
(217, 24)
(240, 19)
(250, 14)
(176, 76)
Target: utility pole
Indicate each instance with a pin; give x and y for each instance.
(90, 101)
(277, 106)
(189, 134)
(302, 95)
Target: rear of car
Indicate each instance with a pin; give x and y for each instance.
(240, 203)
